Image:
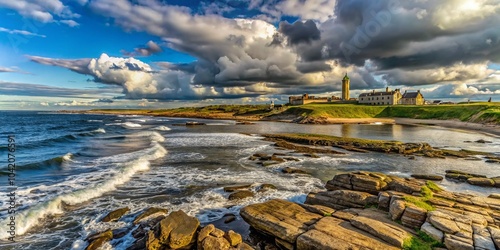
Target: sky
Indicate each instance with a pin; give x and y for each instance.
(83, 54)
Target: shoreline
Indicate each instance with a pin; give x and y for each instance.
(488, 129)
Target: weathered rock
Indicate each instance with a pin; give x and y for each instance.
(413, 217)
(228, 218)
(483, 141)
(267, 186)
(214, 243)
(428, 177)
(289, 170)
(279, 218)
(312, 155)
(217, 233)
(344, 215)
(204, 233)
(332, 233)
(233, 238)
(389, 233)
(495, 236)
(461, 176)
(149, 214)
(241, 194)
(453, 242)
(115, 215)
(384, 200)
(175, 232)
(243, 246)
(408, 186)
(441, 202)
(397, 209)
(195, 123)
(233, 188)
(482, 238)
(318, 209)
(341, 199)
(99, 239)
(485, 182)
(432, 231)
(443, 222)
(494, 196)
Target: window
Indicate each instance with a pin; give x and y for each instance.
(382, 98)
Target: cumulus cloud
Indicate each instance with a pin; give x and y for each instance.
(70, 23)
(379, 43)
(20, 32)
(149, 49)
(4, 69)
(42, 11)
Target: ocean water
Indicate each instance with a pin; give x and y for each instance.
(72, 169)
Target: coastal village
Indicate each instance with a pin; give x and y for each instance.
(387, 97)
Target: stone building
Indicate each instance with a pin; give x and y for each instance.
(412, 98)
(305, 99)
(381, 98)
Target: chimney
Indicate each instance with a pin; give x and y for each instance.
(386, 89)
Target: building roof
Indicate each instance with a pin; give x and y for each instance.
(346, 77)
(411, 94)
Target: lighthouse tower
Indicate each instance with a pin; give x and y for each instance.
(345, 88)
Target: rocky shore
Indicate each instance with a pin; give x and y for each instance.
(358, 210)
(366, 210)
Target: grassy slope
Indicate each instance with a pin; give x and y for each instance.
(478, 112)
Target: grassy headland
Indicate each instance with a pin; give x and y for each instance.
(476, 112)
(484, 113)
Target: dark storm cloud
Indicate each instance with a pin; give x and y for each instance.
(300, 32)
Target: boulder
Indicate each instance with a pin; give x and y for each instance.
(99, 239)
(115, 215)
(233, 238)
(461, 176)
(413, 216)
(266, 186)
(431, 177)
(217, 233)
(149, 214)
(432, 231)
(495, 236)
(279, 218)
(214, 243)
(387, 232)
(384, 200)
(204, 232)
(318, 209)
(333, 233)
(403, 185)
(453, 242)
(341, 199)
(482, 238)
(233, 188)
(443, 222)
(289, 170)
(176, 231)
(241, 194)
(485, 182)
(397, 209)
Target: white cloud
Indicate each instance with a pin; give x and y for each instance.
(70, 23)
(20, 32)
(42, 11)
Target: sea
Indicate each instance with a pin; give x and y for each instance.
(72, 169)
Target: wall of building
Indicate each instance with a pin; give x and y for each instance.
(388, 99)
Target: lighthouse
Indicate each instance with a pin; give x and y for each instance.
(345, 88)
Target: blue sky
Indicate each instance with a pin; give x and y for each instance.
(148, 53)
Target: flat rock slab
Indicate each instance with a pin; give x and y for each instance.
(389, 233)
(334, 234)
(280, 218)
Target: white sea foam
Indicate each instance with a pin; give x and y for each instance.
(120, 174)
(152, 135)
(94, 120)
(99, 130)
(67, 157)
(163, 128)
(125, 124)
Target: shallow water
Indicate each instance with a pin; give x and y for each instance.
(79, 167)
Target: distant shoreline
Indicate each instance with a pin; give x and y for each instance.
(490, 129)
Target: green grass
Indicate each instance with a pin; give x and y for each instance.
(420, 202)
(421, 242)
(476, 112)
(433, 186)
